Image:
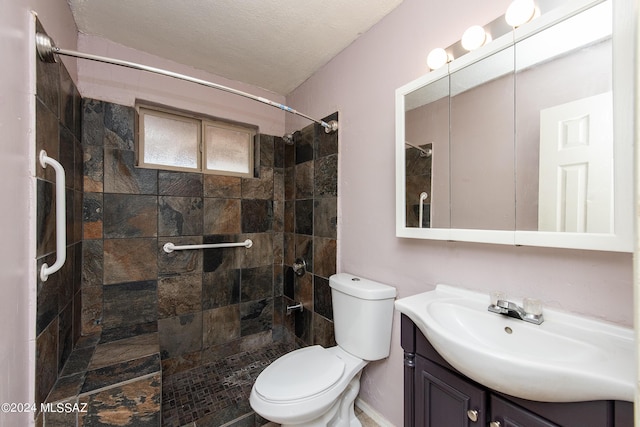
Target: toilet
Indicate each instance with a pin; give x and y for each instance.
(316, 386)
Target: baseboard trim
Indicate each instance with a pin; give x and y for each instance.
(372, 413)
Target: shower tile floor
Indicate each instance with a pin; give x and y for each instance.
(217, 394)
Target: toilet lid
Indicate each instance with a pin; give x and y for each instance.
(299, 374)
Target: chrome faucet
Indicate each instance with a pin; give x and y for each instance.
(511, 309)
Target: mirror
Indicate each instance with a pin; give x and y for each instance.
(518, 143)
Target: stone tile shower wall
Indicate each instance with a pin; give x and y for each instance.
(58, 124)
(310, 232)
(204, 304)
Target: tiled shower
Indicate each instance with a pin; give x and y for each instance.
(163, 314)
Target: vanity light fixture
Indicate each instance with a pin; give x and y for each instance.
(520, 12)
(474, 37)
(437, 58)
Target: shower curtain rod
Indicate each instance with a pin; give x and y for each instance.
(47, 52)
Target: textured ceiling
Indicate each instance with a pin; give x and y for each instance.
(273, 44)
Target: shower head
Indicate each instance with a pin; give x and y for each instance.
(288, 138)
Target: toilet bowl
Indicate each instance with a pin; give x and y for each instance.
(316, 386)
(308, 387)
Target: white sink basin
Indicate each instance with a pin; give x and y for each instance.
(567, 358)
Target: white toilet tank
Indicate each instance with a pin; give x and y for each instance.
(362, 315)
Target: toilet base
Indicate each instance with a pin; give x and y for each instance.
(341, 413)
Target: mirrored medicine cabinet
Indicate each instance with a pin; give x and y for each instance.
(527, 140)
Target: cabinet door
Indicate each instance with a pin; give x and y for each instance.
(443, 399)
(506, 414)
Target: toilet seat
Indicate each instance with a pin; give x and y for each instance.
(300, 374)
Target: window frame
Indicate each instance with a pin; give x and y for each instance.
(252, 131)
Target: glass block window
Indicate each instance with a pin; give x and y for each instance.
(176, 141)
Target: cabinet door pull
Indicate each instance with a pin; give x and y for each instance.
(472, 414)
(494, 424)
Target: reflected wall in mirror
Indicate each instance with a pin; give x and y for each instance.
(525, 147)
(564, 127)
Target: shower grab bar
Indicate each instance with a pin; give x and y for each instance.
(47, 50)
(170, 247)
(423, 197)
(61, 217)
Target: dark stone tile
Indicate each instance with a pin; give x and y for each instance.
(303, 326)
(326, 176)
(93, 166)
(323, 332)
(289, 282)
(179, 262)
(119, 126)
(289, 248)
(290, 183)
(257, 216)
(303, 291)
(46, 218)
(222, 216)
(78, 197)
(184, 362)
(304, 180)
(259, 188)
(92, 122)
(65, 335)
(66, 156)
(120, 372)
(67, 99)
(324, 256)
(130, 303)
(78, 163)
(135, 404)
(278, 248)
(220, 325)
(256, 283)
(127, 260)
(48, 82)
(228, 187)
(180, 335)
(61, 419)
(322, 303)
(325, 217)
(256, 316)
(121, 175)
(46, 361)
(278, 152)
(128, 216)
(91, 312)
(267, 151)
(182, 184)
(92, 215)
(66, 387)
(92, 263)
(180, 216)
(304, 216)
(260, 254)
(289, 216)
(278, 216)
(179, 295)
(304, 250)
(78, 362)
(219, 258)
(88, 341)
(326, 143)
(220, 288)
(47, 296)
(47, 138)
(128, 331)
(304, 144)
(278, 184)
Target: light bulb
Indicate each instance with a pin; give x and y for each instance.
(437, 58)
(474, 37)
(520, 12)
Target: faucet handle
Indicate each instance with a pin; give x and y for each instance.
(532, 306)
(497, 296)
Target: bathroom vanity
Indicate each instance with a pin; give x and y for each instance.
(437, 395)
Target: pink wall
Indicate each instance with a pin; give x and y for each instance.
(360, 84)
(17, 252)
(124, 85)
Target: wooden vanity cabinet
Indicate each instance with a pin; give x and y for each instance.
(436, 395)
